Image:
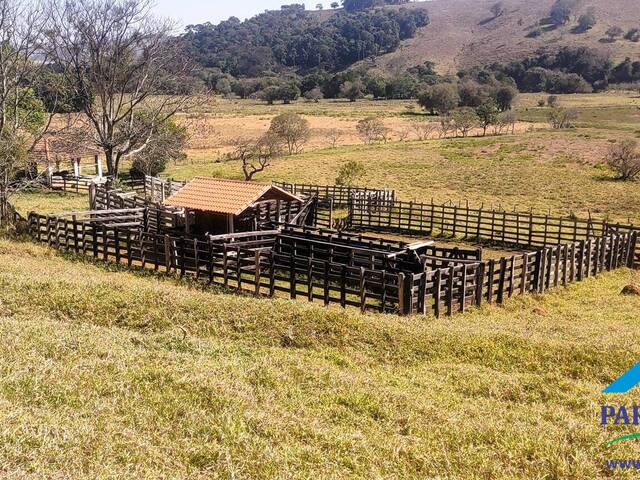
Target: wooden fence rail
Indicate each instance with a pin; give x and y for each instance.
(263, 269)
(520, 229)
(343, 195)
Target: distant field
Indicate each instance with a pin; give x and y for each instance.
(109, 374)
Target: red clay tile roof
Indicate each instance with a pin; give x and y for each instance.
(63, 147)
(217, 195)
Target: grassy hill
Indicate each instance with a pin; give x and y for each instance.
(461, 33)
(109, 374)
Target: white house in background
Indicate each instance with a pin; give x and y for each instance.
(65, 153)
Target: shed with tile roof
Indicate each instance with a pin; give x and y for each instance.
(215, 205)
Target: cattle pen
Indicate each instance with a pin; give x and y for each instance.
(292, 251)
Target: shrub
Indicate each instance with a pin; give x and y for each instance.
(560, 118)
(587, 21)
(633, 35)
(624, 159)
(553, 101)
(350, 172)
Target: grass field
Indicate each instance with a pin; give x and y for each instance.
(115, 374)
(109, 374)
(559, 171)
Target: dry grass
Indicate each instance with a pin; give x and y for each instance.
(462, 34)
(561, 172)
(99, 380)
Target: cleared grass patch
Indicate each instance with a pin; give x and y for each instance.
(116, 375)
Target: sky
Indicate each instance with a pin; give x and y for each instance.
(200, 11)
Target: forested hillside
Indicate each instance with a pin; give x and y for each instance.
(301, 40)
(397, 49)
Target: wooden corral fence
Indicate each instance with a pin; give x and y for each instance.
(154, 188)
(527, 230)
(459, 287)
(160, 218)
(71, 184)
(343, 195)
(302, 263)
(254, 267)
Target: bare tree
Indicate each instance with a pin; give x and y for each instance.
(371, 130)
(23, 120)
(560, 118)
(624, 159)
(118, 52)
(255, 154)
(403, 133)
(424, 130)
(334, 135)
(447, 125)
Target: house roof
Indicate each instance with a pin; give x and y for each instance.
(62, 146)
(218, 195)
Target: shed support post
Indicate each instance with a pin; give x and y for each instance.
(99, 172)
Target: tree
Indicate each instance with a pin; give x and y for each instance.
(498, 9)
(561, 11)
(465, 119)
(288, 92)
(613, 33)
(23, 120)
(118, 51)
(624, 159)
(223, 86)
(633, 35)
(355, 5)
(334, 135)
(255, 154)
(166, 144)
(505, 96)
(314, 95)
(292, 130)
(335, 5)
(372, 129)
(441, 98)
(350, 172)
(507, 122)
(488, 115)
(352, 90)
(424, 130)
(553, 101)
(587, 21)
(270, 94)
(319, 6)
